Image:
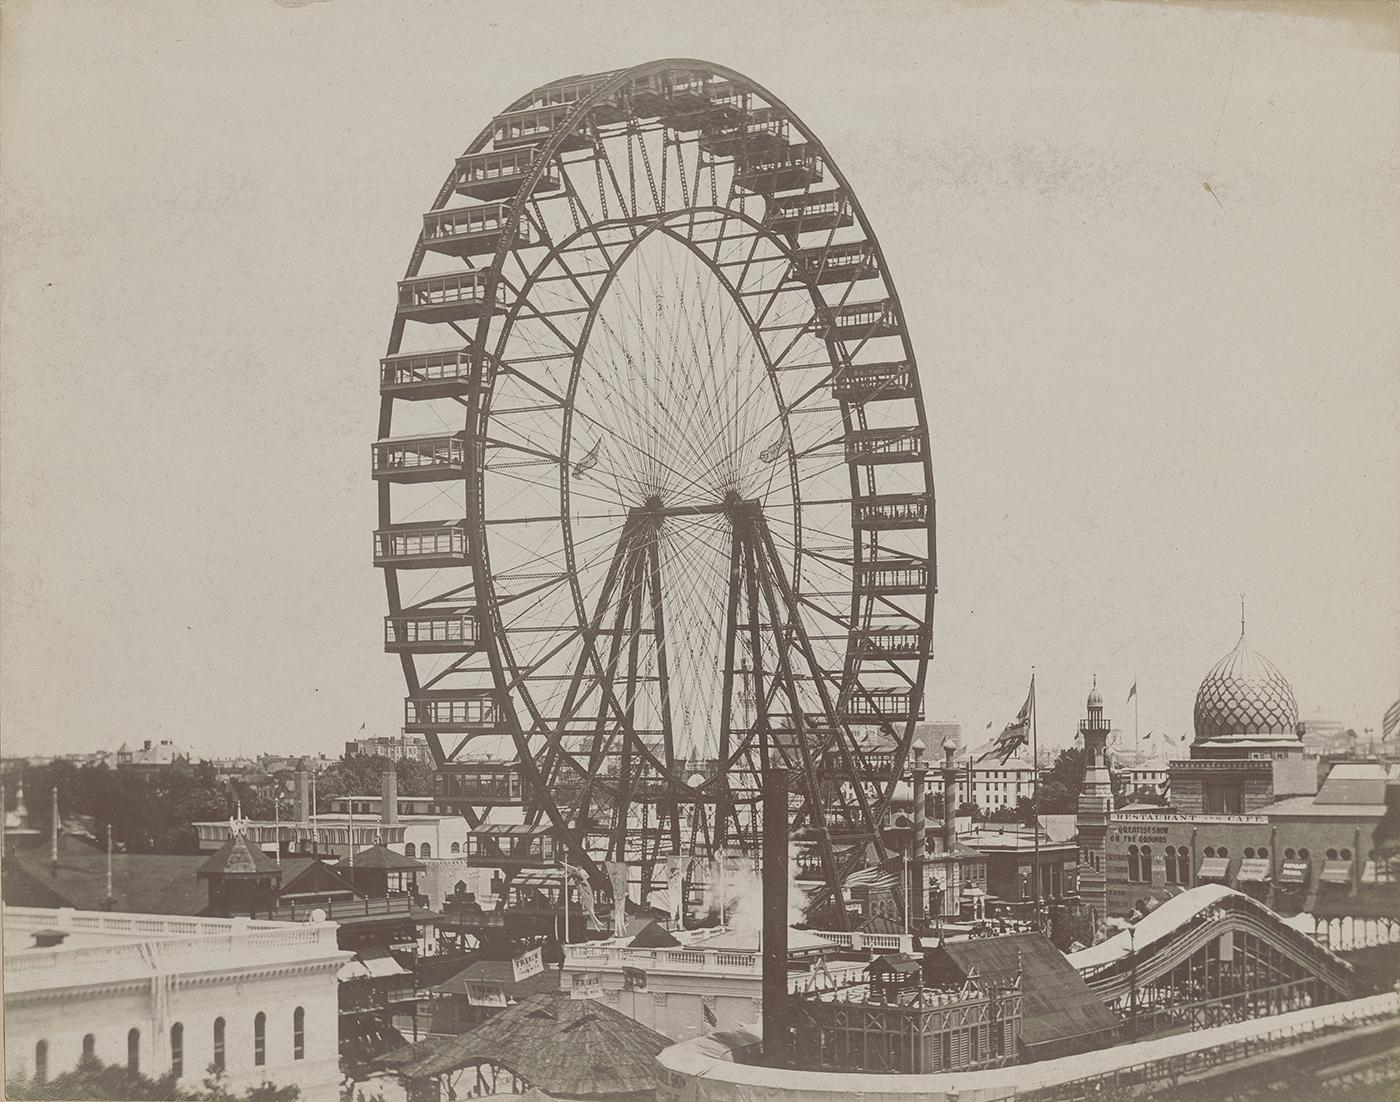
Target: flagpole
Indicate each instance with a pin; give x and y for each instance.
(1035, 797)
(1136, 748)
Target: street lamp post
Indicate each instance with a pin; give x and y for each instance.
(1132, 983)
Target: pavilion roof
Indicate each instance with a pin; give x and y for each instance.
(563, 1046)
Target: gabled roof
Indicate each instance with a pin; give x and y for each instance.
(1056, 1004)
(500, 972)
(311, 876)
(150, 883)
(654, 936)
(239, 857)
(382, 857)
(565, 1047)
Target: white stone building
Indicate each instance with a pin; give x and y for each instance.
(712, 980)
(162, 993)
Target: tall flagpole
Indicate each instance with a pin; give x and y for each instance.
(1136, 748)
(1035, 797)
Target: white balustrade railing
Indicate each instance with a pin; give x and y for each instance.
(142, 946)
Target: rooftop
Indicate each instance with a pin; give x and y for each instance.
(565, 1047)
(109, 948)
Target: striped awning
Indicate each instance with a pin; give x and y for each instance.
(1336, 872)
(1293, 872)
(1254, 870)
(1214, 868)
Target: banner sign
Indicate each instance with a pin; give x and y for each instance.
(617, 875)
(529, 963)
(485, 994)
(586, 985)
(634, 979)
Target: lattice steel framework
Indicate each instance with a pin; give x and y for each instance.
(655, 499)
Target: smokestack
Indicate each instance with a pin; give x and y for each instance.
(916, 859)
(303, 796)
(53, 833)
(389, 798)
(775, 916)
(950, 801)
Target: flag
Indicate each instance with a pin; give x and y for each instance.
(617, 875)
(589, 461)
(1131, 692)
(362, 726)
(1014, 735)
(707, 1007)
(778, 448)
(1391, 721)
(634, 979)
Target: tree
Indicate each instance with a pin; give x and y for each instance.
(969, 809)
(96, 1080)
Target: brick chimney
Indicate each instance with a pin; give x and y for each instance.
(303, 795)
(389, 798)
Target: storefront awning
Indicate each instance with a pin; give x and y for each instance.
(1254, 870)
(1293, 872)
(1336, 872)
(1214, 868)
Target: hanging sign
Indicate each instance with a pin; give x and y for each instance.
(485, 994)
(527, 964)
(586, 985)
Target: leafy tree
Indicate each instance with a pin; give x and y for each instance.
(96, 1080)
(970, 809)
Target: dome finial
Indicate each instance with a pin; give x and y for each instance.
(1241, 615)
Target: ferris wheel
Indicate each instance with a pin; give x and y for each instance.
(655, 500)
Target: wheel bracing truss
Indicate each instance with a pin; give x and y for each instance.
(655, 500)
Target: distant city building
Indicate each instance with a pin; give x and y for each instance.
(401, 747)
(151, 754)
(158, 994)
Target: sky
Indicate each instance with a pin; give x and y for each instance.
(1146, 395)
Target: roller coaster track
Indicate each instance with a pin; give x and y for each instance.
(1234, 912)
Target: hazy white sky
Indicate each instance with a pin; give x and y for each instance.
(1145, 398)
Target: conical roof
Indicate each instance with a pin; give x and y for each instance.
(239, 857)
(1243, 697)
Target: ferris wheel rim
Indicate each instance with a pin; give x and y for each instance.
(476, 516)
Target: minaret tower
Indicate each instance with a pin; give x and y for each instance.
(1095, 807)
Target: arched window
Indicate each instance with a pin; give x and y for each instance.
(177, 1049)
(218, 1044)
(1222, 852)
(298, 1033)
(1147, 863)
(456, 847)
(89, 1046)
(425, 850)
(1290, 854)
(1331, 855)
(41, 1062)
(1169, 865)
(1209, 851)
(259, 1039)
(1134, 869)
(1304, 855)
(1249, 851)
(133, 1049)
(1263, 852)
(1345, 854)
(1183, 865)
(409, 850)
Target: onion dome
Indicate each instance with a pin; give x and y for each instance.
(1095, 697)
(1244, 697)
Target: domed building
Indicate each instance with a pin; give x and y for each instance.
(1245, 704)
(1248, 743)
